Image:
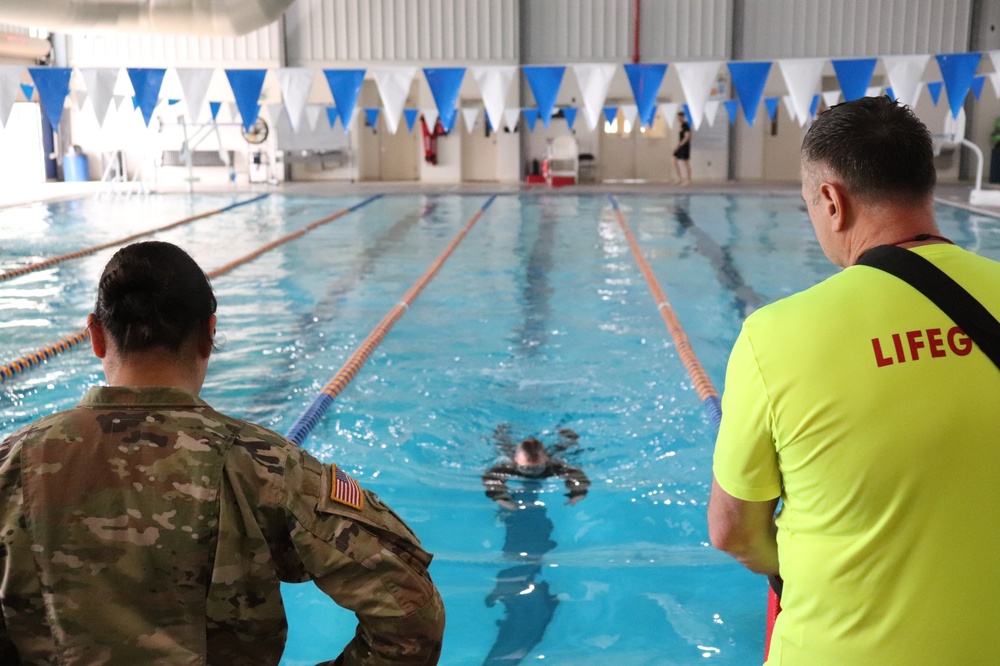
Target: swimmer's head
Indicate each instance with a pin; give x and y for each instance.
(531, 457)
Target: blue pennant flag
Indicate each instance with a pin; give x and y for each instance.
(146, 83)
(531, 116)
(371, 115)
(977, 86)
(544, 82)
(814, 105)
(331, 115)
(171, 102)
(645, 80)
(687, 114)
(749, 79)
(135, 101)
(854, 75)
(958, 70)
(345, 85)
(445, 82)
(732, 108)
(52, 84)
(771, 104)
(246, 85)
(934, 88)
(610, 113)
(890, 93)
(411, 117)
(28, 90)
(214, 108)
(569, 113)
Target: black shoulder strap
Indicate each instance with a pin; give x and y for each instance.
(968, 313)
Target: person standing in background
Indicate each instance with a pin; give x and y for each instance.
(682, 154)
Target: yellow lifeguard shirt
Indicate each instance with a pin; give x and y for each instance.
(877, 422)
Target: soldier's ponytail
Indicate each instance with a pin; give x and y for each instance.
(151, 295)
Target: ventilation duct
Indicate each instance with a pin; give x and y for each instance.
(188, 17)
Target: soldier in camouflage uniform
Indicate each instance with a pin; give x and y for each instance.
(144, 527)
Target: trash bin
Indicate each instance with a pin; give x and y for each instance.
(76, 168)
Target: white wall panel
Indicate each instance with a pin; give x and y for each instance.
(261, 48)
(684, 30)
(806, 28)
(340, 32)
(566, 31)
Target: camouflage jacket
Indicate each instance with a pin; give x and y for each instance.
(144, 527)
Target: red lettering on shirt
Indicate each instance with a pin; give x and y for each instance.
(960, 345)
(935, 342)
(898, 343)
(913, 337)
(879, 359)
(955, 342)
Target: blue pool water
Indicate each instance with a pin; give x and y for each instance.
(541, 319)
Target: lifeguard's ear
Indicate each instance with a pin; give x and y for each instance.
(835, 202)
(208, 341)
(97, 339)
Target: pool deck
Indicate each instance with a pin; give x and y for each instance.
(953, 194)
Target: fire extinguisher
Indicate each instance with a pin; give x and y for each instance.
(430, 140)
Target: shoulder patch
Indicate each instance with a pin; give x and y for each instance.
(345, 490)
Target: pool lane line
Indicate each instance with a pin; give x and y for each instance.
(702, 384)
(19, 365)
(317, 408)
(48, 263)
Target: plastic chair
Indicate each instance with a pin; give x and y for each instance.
(563, 160)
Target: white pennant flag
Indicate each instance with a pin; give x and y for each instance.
(994, 78)
(274, 112)
(295, 82)
(194, 84)
(790, 106)
(100, 84)
(831, 97)
(430, 117)
(594, 82)
(393, 87)
(313, 112)
(669, 111)
(494, 84)
(711, 110)
(470, 116)
(697, 80)
(803, 77)
(630, 112)
(874, 91)
(904, 73)
(80, 97)
(10, 86)
(510, 118)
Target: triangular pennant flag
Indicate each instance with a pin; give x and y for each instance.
(494, 84)
(732, 109)
(830, 98)
(594, 81)
(214, 108)
(52, 84)
(470, 115)
(610, 113)
(371, 116)
(711, 110)
(890, 93)
(510, 118)
(803, 77)
(123, 103)
(146, 82)
(80, 97)
(331, 116)
(958, 70)
(814, 106)
(687, 113)
(544, 81)
(194, 85)
(411, 117)
(697, 81)
(246, 85)
(275, 112)
(631, 113)
(645, 80)
(854, 75)
(789, 106)
(10, 78)
(296, 83)
(934, 88)
(874, 91)
(430, 115)
(749, 79)
(313, 112)
(995, 76)
(28, 90)
(345, 85)
(393, 87)
(904, 73)
(531, 116)
(445, 82)
(569, 113)
(771, 104)
(669, 112)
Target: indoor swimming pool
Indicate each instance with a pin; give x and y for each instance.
(540, 319)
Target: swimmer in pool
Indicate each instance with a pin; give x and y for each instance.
(531, 460)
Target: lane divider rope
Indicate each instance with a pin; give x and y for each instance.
(48, 263)
(312, 414)
(702, 384)
(34, 358)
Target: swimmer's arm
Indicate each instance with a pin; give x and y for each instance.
(495, 482)
(576, 481)
(745, 530)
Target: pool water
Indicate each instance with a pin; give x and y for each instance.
(540, 320)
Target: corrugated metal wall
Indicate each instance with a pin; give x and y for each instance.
(807, 28)
(336, 32)
(674, 30)
(563, 31)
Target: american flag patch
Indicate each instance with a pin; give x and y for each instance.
(346, 490)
